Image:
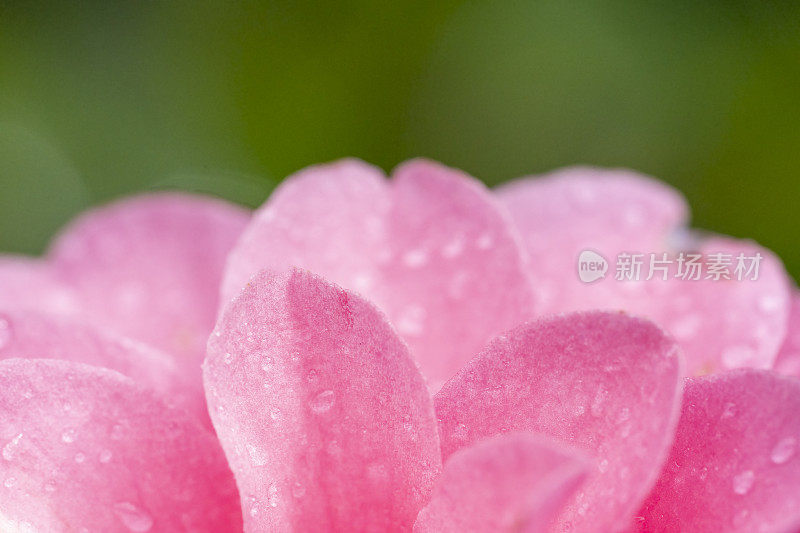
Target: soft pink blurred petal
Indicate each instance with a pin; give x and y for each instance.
(734, 465)
(606, 383)
(30, 334)
(328, 219)
(149, 267)
(432, 248)
(323, 415)
(29, 283)
(788, 361)
(84, 447)
(719, 324)
(513, 482)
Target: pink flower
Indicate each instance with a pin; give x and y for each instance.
(396, 355)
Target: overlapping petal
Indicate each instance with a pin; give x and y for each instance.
(30, 334)
(84, 447)
(788, 361)
(323, 415)
(734, 465)
(431, 248)
(29, 283)
(149, 268)
(606, 383)
(512, 482)
(720, 324)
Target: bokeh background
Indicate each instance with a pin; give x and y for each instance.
(102, 99)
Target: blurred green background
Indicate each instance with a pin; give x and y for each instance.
(108, 98)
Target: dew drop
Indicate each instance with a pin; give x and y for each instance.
(9, 482)
(728, 411)
(105, 456)
(415, 258)
(275, 413)
(453, 248)
(484, 242)
(312, 377)
(411, 320)
(132, 517)
(80, 458)
(117, 432)
(298, 490)
(597, 403)
(783, 450)
(743, 482)
(257, 455)
(68, 436)
(272, 495)
(737, 356)
(11, 447)
(266, 366)
(322, 402)
(461, 432)
(602, 466)
(6, 331)
(227, 358)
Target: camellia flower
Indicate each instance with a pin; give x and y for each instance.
(417, 354)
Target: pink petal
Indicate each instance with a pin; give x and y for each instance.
(719, 324)
(149, 267)
(513, 482)
(788, 361)
(326, 218)
(724, 324)
(734, 464)
(325, 419)
(29, 283)
(35, 335)
(579, 208)
(457, 276)
(606, 383)
(84, 447)
(431, 248)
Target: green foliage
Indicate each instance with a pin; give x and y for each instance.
(106, 99)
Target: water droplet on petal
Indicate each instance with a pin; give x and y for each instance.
(227, 358)
(602, 466)
(266, 366)
(743, 482)
(783, 450)
(485, 241)
(105, 456)
(738, 356)
(257, 455)
(68, 436)
(6, 331)
(411, 320)
(729, 410)
(79, 457)
(415, 258)
(312, 377)
(322, 402)
(132, 517)
(9, 482)
(461, 432)
(117, 432)
(273, 497)
(275, 413)
(11, 447)
(298, 490)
